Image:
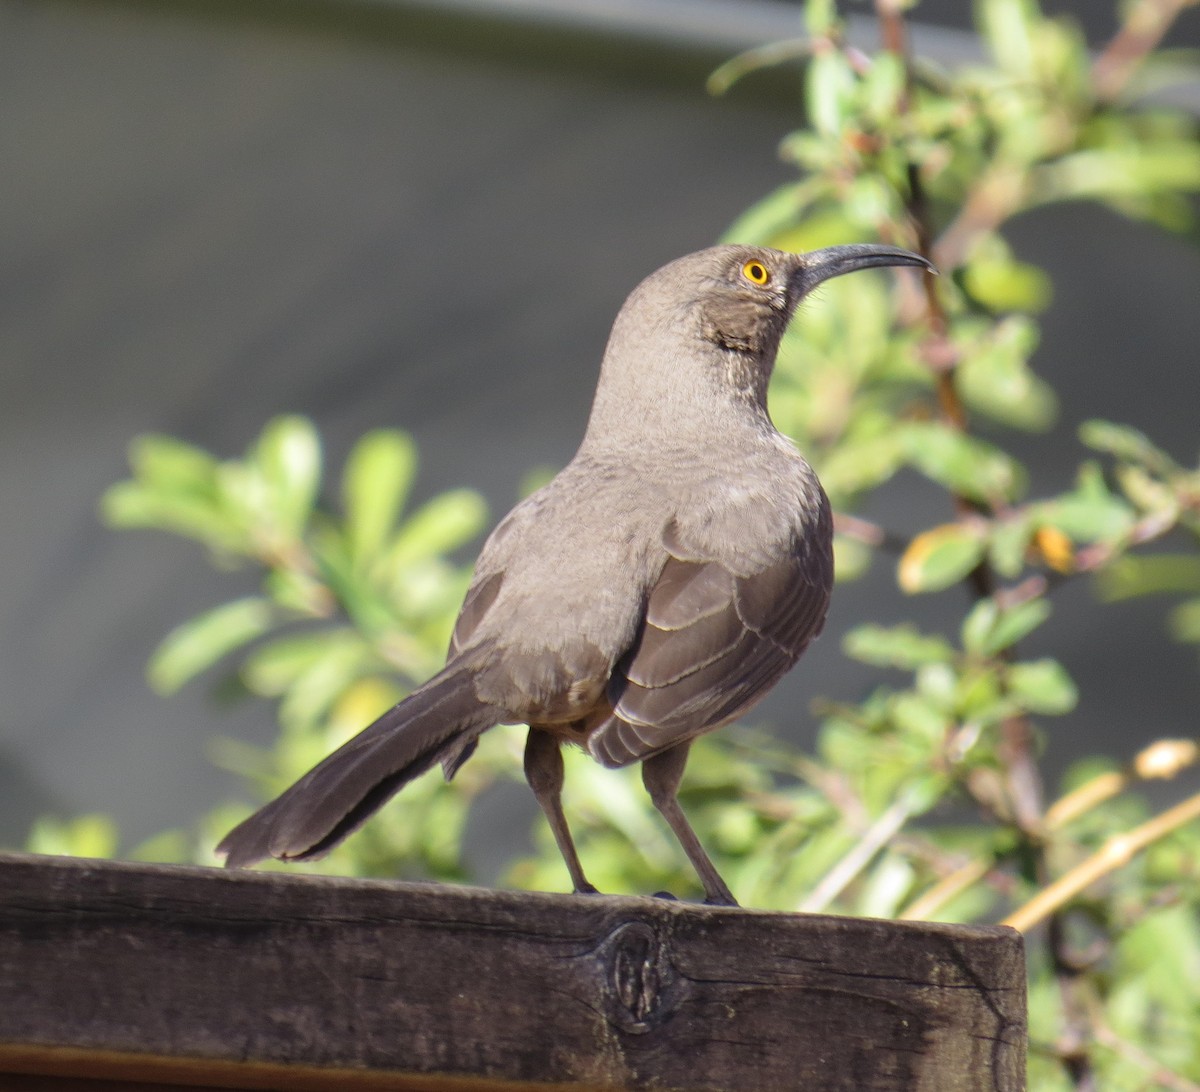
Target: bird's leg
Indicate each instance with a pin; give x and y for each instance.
(661, 775)
(544, 772)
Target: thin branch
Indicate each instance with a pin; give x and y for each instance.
(1089, 559)
(1117, 852)
(750, 60)
(1157, 1072)
(1075, 1037)
(1162, 760)
(838, 878)
(1144, 27)
(931, 901)
(869, 534)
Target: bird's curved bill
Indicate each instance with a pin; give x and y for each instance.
(820, 265)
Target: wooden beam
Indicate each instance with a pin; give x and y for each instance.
(202, 978)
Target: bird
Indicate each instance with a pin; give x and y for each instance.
(653, 591)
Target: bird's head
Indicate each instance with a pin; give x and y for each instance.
(709, 324)
(746, 295)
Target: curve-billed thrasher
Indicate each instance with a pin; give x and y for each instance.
(656, 589)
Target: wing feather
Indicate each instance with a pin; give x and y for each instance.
(712, 643)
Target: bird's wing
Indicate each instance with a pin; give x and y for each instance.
(712, 643)
(480, 595)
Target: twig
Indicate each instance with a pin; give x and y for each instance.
(925, 905)
(1075, 1037)
(1117, 852)
(1089, 559)
(869, 534)
(1144, 27)
(999, 192)
(1155, 1070)
(732, 70)
(1162, 760)
(876, 837)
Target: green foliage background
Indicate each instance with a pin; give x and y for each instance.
(925, 800)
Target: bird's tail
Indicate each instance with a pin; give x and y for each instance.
(435, 723)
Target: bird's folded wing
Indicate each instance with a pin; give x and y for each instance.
(712, 643)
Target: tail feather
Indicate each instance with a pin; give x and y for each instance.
(339, 794)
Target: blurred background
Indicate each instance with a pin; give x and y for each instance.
(426, 216)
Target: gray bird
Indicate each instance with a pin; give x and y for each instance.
(653, 591)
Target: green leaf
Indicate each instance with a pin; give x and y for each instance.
(1009, 543)
(1125, 442)
(939, 684)
(856, 466)
(852, 558)
(1185, 621)
(170, 463)
(1042, 686)
(1148, 493)
(995, 377)
(939, 557)
(1007, 27)
(917, 716)
(298, 591)
(1111, 174)
(443, 524)
(1129, 576)
(289, 456)
(92, 835)
(308, 699)
(820, 17)
(1015, 624)
(198, 644)
(130, 504)
(988, 630)
(830, 86)
(883, 88)
(978, 625)
(901, 646)
(1091, 512)
(275, 665)
(375, 485)
(764, 221)
(174, 488)
(1007, 285)
(242, 495)
(978, 695)
(968, 466)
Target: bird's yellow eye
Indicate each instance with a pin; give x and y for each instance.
(756, 273)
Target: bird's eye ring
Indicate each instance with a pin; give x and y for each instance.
(756, 273)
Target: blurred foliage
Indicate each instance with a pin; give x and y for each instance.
(355, 607)
(930, 376)
(925, 799)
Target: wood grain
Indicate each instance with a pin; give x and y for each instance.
(222, 979)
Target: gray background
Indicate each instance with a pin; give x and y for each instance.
(381, 215)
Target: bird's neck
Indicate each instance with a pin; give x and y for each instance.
(676, 421)
(661, 386)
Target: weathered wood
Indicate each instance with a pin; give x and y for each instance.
(261, 980)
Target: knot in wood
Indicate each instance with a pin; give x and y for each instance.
(637, 972)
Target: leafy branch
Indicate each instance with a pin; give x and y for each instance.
(926, 796)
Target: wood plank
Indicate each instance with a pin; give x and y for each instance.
(269, 980)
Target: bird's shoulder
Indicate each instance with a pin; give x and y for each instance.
(570, 563)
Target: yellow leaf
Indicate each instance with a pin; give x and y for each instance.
(1055, 549)
(939, 557)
